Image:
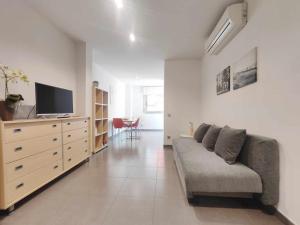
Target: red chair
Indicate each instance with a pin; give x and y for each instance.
(135, 126)
(118, 123)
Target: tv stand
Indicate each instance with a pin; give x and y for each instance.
(35, 152)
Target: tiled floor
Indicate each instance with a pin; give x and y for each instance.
(128, 184)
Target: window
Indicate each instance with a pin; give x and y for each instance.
(153, 99)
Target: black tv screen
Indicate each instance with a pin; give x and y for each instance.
(53, 100)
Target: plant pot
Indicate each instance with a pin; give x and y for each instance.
(6, 113)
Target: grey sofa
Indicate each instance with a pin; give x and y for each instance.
(256, 173)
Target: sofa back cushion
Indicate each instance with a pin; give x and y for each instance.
(262, 155)
(230, 143)
(200, 132)
(210, 138)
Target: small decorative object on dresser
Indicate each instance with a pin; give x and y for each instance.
(223, 81)
(11, 102)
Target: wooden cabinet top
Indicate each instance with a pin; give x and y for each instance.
(44, 120)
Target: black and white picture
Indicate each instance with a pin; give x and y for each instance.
(223, 81)
(245, 70)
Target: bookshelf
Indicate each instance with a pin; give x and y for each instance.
(100, 119)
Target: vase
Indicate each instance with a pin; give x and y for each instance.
(6, 113)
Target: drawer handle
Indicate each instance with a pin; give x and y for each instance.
(69, 135)
(17, 149)
(69, 147)
(85, 121)
(85, 131)
(69, 159)
(17, 130)
(54, 125)
(86, 150)
(68, 124)
(54, 139)
(19, 167)
(55, 153)
(19, 185)
(55, 167)
(85, 141)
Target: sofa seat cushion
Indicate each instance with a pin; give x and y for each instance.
(205, 172)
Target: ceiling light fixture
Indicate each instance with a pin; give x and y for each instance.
(132, 37)
(119, 4)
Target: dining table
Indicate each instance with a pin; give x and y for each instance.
(129, 123)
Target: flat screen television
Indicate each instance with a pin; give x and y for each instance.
(53, 100)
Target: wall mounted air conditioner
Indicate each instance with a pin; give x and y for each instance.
(232, 21)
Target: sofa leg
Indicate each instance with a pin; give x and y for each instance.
(269, 209)
(191, 199)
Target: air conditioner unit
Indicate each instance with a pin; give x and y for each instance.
(232, 21)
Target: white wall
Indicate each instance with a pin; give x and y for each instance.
(269, 107)
(135, 109)
(116, 92)
(182, 80)
(84, 78)
(31, 43)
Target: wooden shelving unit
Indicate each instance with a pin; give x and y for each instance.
(100, 119)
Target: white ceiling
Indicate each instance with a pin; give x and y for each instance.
(164, 29)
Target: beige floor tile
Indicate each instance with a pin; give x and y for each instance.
(114, 171)
(138, 188)
(142, 172)
(90, 210)
(130, 211)
(169, 189)
(172, 212)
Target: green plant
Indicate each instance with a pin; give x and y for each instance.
(12, 76)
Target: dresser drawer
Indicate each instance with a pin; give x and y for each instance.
(20, 132)
(75, 155)
(30, 164)
(18, 150)
(74, 124)
(21, 187)
(74, 135)
(76, 145)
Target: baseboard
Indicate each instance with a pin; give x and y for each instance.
(150, 129)
(283, 218)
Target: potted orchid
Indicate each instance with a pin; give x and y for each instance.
(11, 101)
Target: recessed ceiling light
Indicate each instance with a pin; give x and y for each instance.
(132, 37)
(119, 4)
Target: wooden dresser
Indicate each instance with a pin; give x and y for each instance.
(34, 152)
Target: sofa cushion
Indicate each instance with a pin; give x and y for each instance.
(210, 138)
(230, 143)
(201, 131)
(205, 172)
